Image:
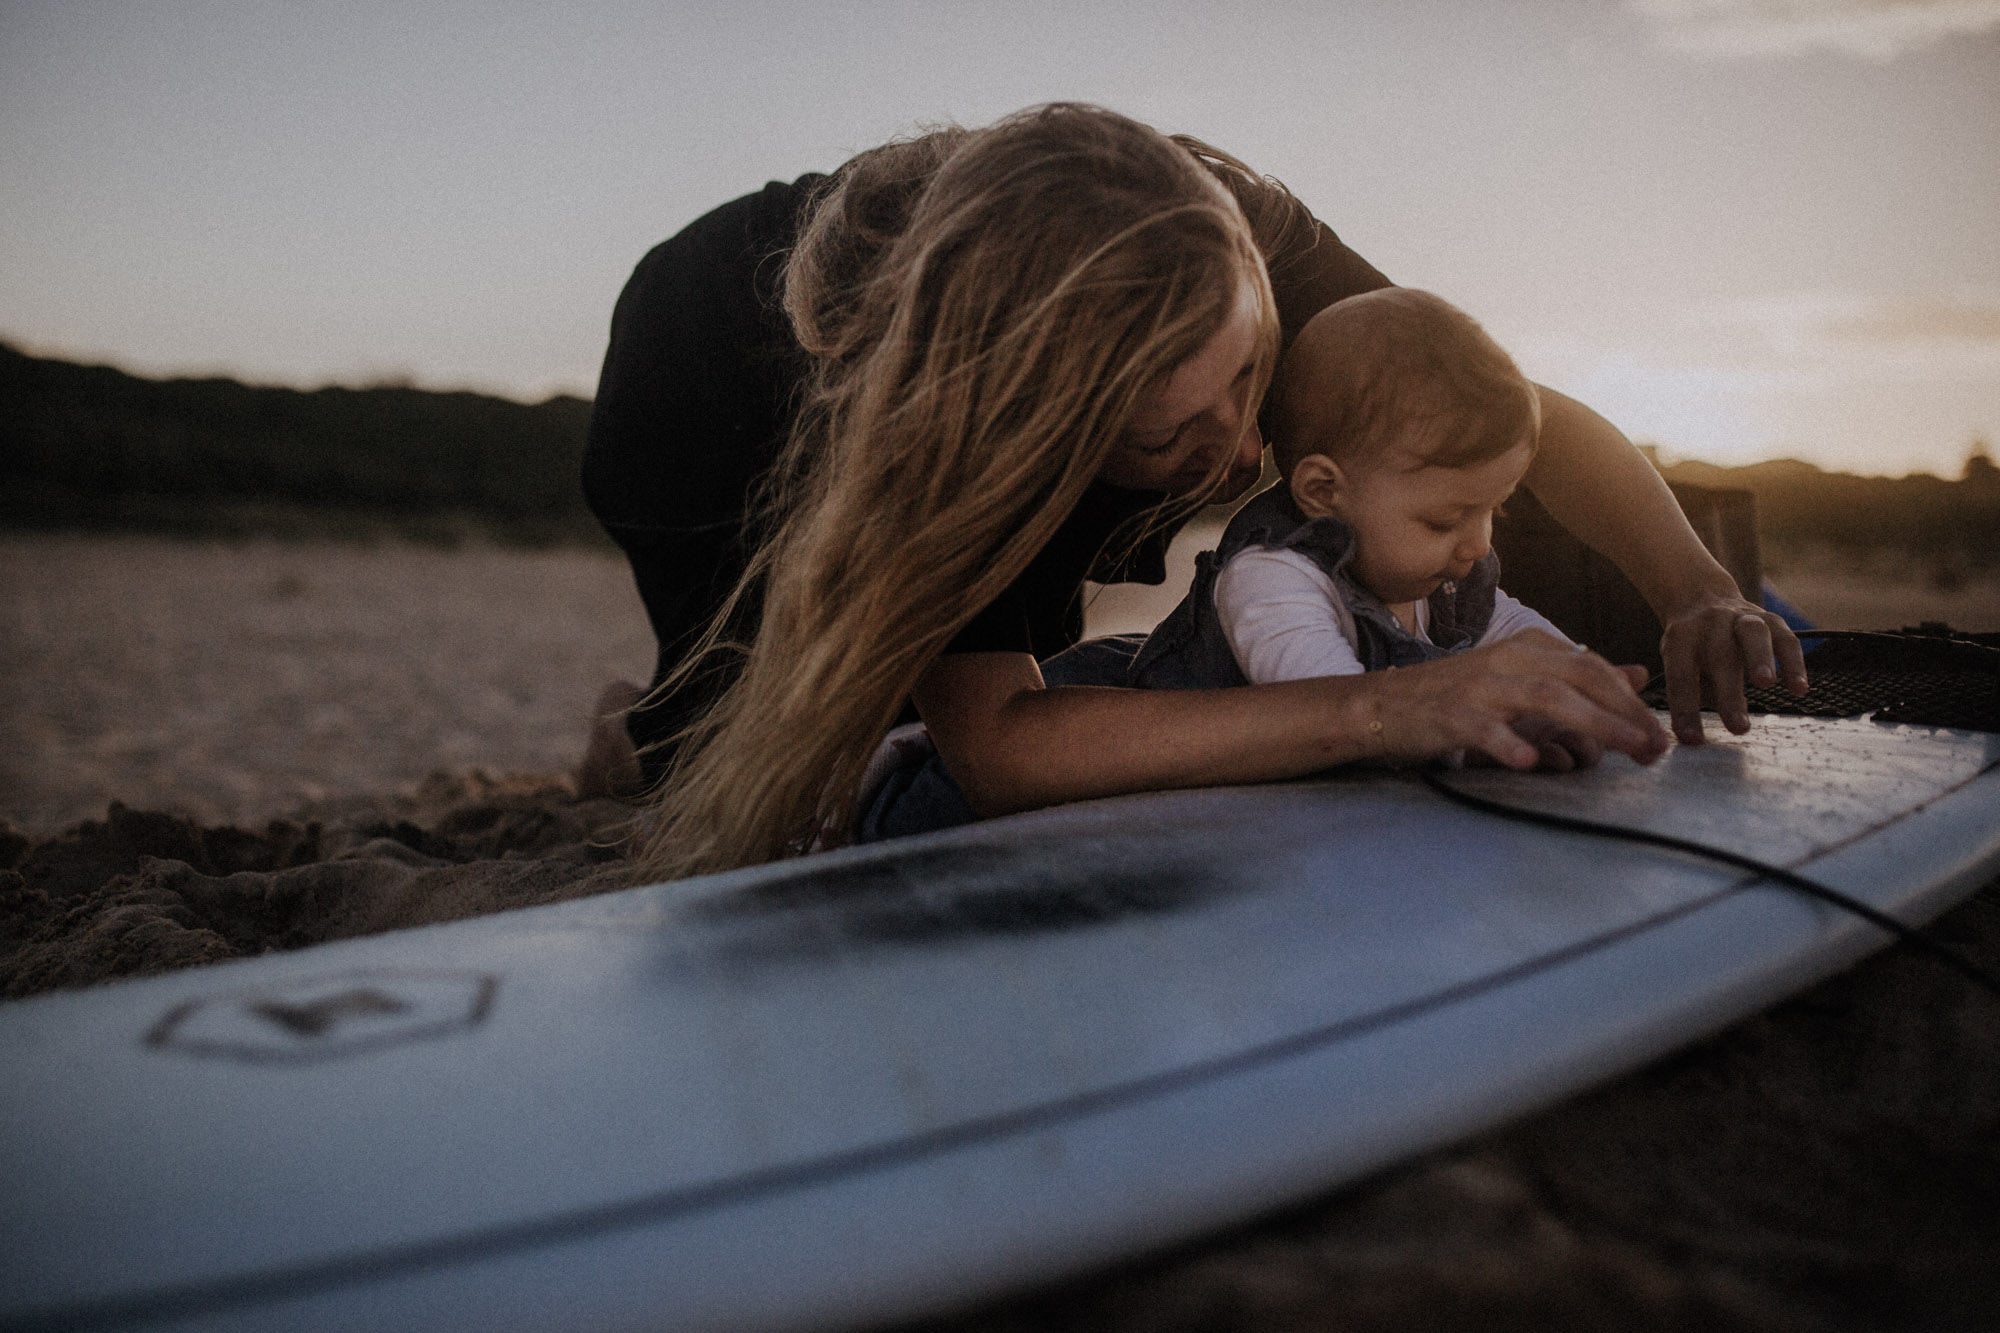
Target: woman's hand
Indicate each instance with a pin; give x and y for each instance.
(1014, 745)
(1527, 700)
(1560, 749)
(1600, 488)
(1712, 647)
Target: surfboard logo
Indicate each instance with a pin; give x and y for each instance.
(327, 1017)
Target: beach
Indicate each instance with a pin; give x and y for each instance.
(232, 683)
(312, 741)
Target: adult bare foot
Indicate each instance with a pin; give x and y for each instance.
(610, 764)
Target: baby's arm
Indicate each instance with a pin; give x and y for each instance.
(1283, 619)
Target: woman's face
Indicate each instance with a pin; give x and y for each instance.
(1199, 415)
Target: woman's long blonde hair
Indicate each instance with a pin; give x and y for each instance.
(982, 309)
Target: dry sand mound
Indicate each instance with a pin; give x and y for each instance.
(140, 892)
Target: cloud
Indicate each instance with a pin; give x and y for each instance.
(1883, 382)
(1872, 29)
(1904, 337)
(1920, 321)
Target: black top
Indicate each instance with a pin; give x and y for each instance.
(1041, 611)
(702, 374)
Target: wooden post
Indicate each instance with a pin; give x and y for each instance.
(1547, 567)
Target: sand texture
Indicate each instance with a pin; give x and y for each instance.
(312, 743)
(237, 682)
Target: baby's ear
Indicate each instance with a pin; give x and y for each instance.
(1317, 485)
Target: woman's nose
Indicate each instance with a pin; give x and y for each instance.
(1250, 447)
(1229, 441)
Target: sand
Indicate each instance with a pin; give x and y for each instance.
(237, 682)
(315, 742)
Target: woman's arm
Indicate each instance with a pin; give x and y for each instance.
(1285, 621)
(1588, 475)
(1015, 745)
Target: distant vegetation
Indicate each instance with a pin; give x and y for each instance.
(1949, 530)
(93, 447)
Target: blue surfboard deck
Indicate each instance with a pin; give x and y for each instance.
(886, 1081)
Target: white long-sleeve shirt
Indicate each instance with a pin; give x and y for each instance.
(1286, 621)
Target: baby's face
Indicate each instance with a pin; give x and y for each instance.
(1418, 528)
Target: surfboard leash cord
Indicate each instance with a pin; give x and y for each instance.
(1902, 933)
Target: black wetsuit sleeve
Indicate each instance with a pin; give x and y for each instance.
(1310, 278)
(1003, 627)
(693, 405)
(1310, 267)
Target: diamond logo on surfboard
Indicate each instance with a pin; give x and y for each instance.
(325, 1017)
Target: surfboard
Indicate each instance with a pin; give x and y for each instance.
(887, 1081)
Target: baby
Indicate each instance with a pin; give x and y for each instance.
(1399, 427)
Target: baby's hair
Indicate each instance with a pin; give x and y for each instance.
(1390, 357)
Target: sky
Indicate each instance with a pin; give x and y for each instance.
(1741, 229)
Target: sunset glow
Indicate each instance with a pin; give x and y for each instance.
(1739, 228)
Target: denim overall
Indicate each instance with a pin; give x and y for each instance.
(1189, 651)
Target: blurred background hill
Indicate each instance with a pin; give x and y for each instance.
(94, 448)
(1946, 531)
(97, 449)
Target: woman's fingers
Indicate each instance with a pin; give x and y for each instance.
(1581, 751)
(1507, 747)
(1791, 654)
(1724, 667)
(1563, 690)
(1679, 652)
(1596, 716)
(1753, 641)
(1716, 647)
(1562, 751)
(1612, 690)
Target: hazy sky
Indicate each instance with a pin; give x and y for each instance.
(1740, 228)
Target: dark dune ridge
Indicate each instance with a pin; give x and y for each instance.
(1831, 1164)
(95, 448)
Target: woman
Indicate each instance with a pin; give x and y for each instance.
(1024, 347)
